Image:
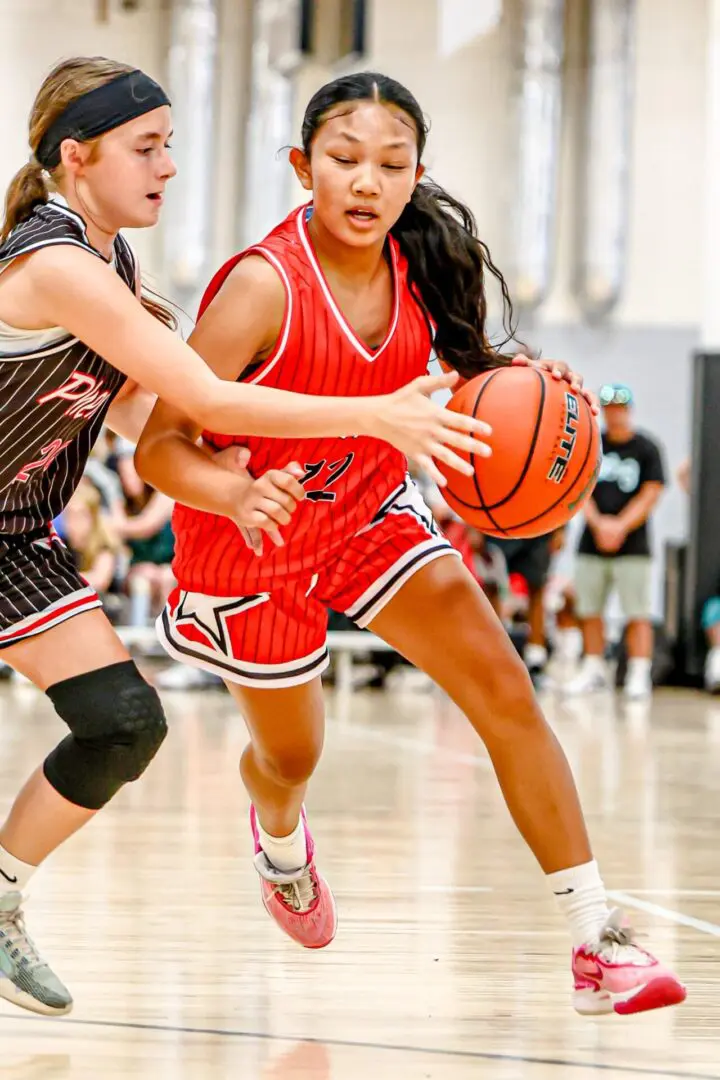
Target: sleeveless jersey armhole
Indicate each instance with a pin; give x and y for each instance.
(256, 371)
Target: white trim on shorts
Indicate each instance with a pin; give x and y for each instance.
(243, 672)
(75, 603)
(384, 588)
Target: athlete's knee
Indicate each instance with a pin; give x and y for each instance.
(290, 766)
(117, 725)
(495, 691)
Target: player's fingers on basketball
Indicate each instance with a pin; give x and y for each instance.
(428, 466)
(461, 421)
(557, 368)
(592, 400)
(560, 370)
(443, 453)
(428, 384)
(463, 442)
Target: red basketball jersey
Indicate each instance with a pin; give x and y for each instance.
(346, 479)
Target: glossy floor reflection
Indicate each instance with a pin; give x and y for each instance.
(450, 961)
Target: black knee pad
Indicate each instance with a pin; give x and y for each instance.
(117, 725)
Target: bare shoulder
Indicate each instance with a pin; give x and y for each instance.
(61, 255)
(62, 266)
(255, 283)
(57, 283)
(244, 319)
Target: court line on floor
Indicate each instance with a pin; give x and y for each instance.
(356, 1044)
(629, 900)
(675, 892)
(403, 742)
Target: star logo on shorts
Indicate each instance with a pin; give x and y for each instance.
(210, 614)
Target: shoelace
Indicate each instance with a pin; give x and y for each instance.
(16, 941)
(617, 942)
(299, 895)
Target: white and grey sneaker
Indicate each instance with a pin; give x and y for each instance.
(593, 678)
(712, 671)
(638, 685)
(25, 978)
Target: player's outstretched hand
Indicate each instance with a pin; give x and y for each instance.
(262, 504)
(424, 430)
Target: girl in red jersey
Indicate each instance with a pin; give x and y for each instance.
(340, 298)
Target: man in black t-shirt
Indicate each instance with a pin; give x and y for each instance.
(614, 551)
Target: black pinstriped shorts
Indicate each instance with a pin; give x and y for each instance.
(40, 586)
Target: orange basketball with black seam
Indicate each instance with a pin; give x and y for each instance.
(546, 454)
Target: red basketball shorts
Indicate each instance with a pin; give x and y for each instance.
(278, 638)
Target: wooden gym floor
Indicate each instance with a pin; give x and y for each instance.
(450, 961)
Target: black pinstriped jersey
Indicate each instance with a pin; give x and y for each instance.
(53, 400)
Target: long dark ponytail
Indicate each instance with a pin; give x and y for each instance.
(448, 263)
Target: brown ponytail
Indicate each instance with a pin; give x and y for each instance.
(160, 308)
(27, 189)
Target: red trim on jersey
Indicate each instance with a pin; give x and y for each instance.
(282, 339)
(302, 226)
(219, 280)
(217, 283)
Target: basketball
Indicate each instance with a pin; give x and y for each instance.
(545, 460)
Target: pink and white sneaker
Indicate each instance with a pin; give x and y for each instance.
(616, 975)
(300, 902)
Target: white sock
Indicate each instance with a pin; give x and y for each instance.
(594, 665)
(639, 666)
(569, 643)
(581, 897)
(285, 852)
(535, 656)
(14, 874)
(139, 602)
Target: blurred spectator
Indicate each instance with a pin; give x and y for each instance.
(485, 561)
(88, 533)
(614, 551)
(101, 472)
(711, 626)
(683, 475)
(145, 527)
(530, 558)
(710, 611)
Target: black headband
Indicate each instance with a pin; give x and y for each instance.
(100, 110)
